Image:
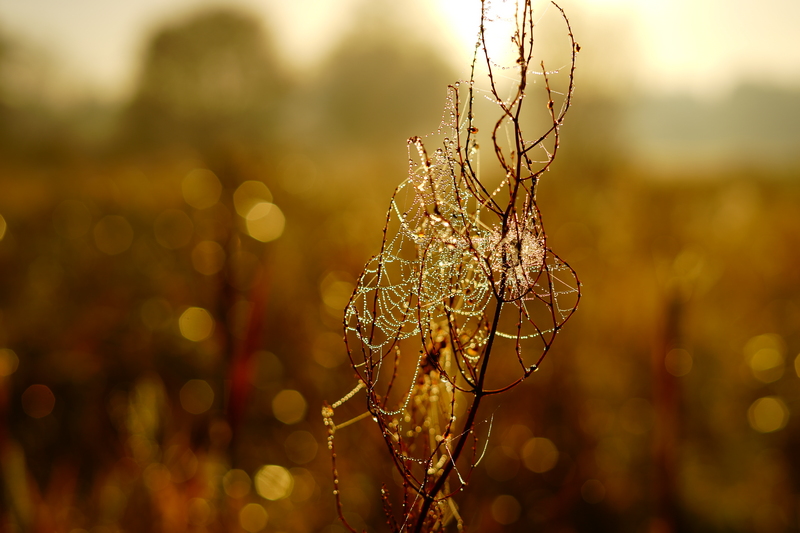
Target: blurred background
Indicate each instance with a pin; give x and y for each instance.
(189, 190)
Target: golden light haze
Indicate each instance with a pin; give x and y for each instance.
(703, 47)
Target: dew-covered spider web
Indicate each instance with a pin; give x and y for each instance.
(450, 256)
(464, 276)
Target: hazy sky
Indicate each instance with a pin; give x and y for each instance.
(702, 46)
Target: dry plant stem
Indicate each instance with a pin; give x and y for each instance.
(430, 497)
(524, 60)
(455, 249)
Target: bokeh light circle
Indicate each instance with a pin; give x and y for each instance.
(678, 362)
(196, 324)
(199, 512)
(201, 188)
(768, 414)
(113, 234)
(236, 483)
(273, 482)
(248, 194)
(196, 396)
(9, 362)
(539, 455)
(265, 222)
(506, 509)
(765, 355)
(289, 406)
(593, 491)
(38, 401)
(208, 257)
(253, 517)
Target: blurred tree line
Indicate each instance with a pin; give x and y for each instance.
(668, 403)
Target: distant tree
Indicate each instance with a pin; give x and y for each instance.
(31, 123)
(378, 84)
(208, 80)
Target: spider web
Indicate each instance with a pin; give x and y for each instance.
(449, 255)
(464, 274)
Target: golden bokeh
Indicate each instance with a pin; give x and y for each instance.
(9, 362)
(201, 188)
(506, 509)
(156, 354)
(113, 234)
(236, 483)
(765, 355)
(156, 477)
(328, 350)
(273, 482)
(196, 324)
(289, 406)
(173, 229)
(768, 414)
(208, 257)
(253, 517)
(38, 401)
(593, 491)
(678, 362)
(219, 433)
(265, 222)
(196, 396)
(304, 485)
(767, 365)
(539, 455)
(182, 463)
(200, 512)
(248, 194)
(336, 288)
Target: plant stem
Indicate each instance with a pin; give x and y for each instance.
(430, 497)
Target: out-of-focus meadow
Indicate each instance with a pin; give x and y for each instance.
(174, 268)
